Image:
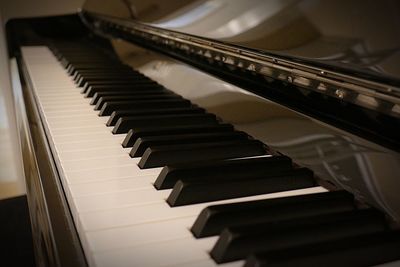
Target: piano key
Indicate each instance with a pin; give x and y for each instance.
(133, 197)
(213, 219)
(78, 130)
(140, 255)
(103, 100)
(134, 215)
(103, 173)
(119, 83)
(111, 185)
(111, 72)
(110, 107)
(109, 77)
(133, 135)
(99, 153)
(146, 232)
(86, 73)
(144, 86)
(92, 144)
(116, 115)
(66, 63)
(88, 164)
(124, 124)
(364, 250)
(238, 242)
(60, 122)
(87, 81)
(232, 168)
(161, 237)
(154, 230)
(191, 190)
(145, 142)
(121, 93)
(172, 154)
(82, 67)
(104, 135)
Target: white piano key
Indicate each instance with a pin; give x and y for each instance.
(113, 185)
(80, 130)
(76, 125)
(69, 113)
(162, 211)
(85, 137)
(90, 164)
(61, 97)
(139, 234)
(66, 105)
(108, 173)
(97, 153)
(81, 109)
(82, 117)
(60, 124)
(133, 197)
(166, 253)
(92, 144)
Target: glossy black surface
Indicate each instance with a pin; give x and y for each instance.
(350, 36)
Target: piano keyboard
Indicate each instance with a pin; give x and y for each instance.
(157, 181)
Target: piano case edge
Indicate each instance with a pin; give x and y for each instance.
(55, 238)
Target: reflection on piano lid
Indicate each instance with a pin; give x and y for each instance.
(209, 173)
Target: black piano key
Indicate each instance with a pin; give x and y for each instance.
(101, 70)
(77, 68)
(232, 168)
(145, 142)
(213, 219)
(106, 99)
(65, 63)
(358, 251)
(124, 124)
(174, 154)
(191, 190)
(91, 80)
(138, 88)
(83, 57)
(90, 90)
(110, 107)
(116, 115)
(237, 243)
(108, 73)
(135, 134)
(123, 93)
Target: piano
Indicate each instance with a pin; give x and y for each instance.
(210, 133)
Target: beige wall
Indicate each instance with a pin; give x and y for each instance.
(35, 8)
(12, 181)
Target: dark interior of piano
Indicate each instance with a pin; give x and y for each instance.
(200, 133)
